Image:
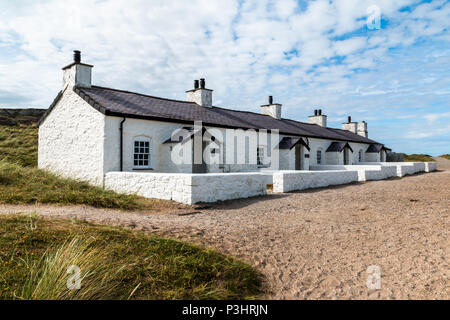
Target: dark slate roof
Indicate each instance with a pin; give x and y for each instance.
(289, 143)
(375, 148)
(121, 103)
(338, 147)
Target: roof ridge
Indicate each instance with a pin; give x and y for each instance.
(141, 94)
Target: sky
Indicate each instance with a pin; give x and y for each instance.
(332, 55)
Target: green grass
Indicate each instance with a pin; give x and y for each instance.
(19, 144)
(418, 158)
(115, 263)
(446, 156)
(31, 185)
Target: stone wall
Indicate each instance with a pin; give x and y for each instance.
(285, 181)
(188, 188)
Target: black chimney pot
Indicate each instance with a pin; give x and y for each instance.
(320, 112)
(202, 83)
(316, 112)
(77, 56)
(196, 84)
(270, 100)
(349, 119)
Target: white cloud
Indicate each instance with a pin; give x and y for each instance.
(246, 50)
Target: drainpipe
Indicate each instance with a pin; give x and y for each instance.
(121, 143)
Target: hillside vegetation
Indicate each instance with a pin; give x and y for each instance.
(446, 156)
(115, 263)
(418, 158)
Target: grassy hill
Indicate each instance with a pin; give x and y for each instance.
(446, 156)
(418, 158)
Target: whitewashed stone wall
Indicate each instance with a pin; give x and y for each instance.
(187, 188)
(285, 181)
(71, 140)
(430, 166)
(365, 172)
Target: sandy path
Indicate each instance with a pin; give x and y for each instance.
(318, 244)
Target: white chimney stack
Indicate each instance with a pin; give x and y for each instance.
(200, 95)
(77, 74)
(318, 118)
(272, 109)
(359, 128)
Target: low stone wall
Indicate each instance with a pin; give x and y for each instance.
(365, 172)
(285, 181)
(188, 188)
(430, 166)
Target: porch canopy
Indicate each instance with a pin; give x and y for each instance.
(338, 147)
(290, 142)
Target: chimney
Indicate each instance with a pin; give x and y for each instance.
(200, 95)
(318, 118)
(272, 109)
(362, 129)
(359, 128)
(77, 73)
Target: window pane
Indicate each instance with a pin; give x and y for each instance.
(146, 163)
(141, 162)
(136, 143)
(147, 144)
(145, 156)
(147, 150)
(135, 162)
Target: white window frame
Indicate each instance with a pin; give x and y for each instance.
(140, 143)
(319, 156)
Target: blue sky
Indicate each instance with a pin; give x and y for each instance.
(308, 55)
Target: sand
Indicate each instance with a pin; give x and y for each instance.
(318, 244)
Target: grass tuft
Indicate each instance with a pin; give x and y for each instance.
(115, 263)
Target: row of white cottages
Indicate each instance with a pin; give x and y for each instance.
(90, 131)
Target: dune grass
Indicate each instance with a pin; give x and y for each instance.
(445, 156)
(19, 144)
(418, 158)
(31, 185)
(115, 263)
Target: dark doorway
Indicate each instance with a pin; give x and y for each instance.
(199, 168)
(298, 158)
(346, 156)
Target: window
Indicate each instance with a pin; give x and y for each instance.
(360, 155)
(319, 156)
(260, 156)
(141, 156)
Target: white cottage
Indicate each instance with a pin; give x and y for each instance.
(90, 131)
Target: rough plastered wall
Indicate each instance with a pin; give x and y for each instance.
(156, 131)
(187, 188)
(354, 157)
(365, 172)
(71, 140)
(373, 157)
(430, 166)
(285, 181)
(213, 187)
